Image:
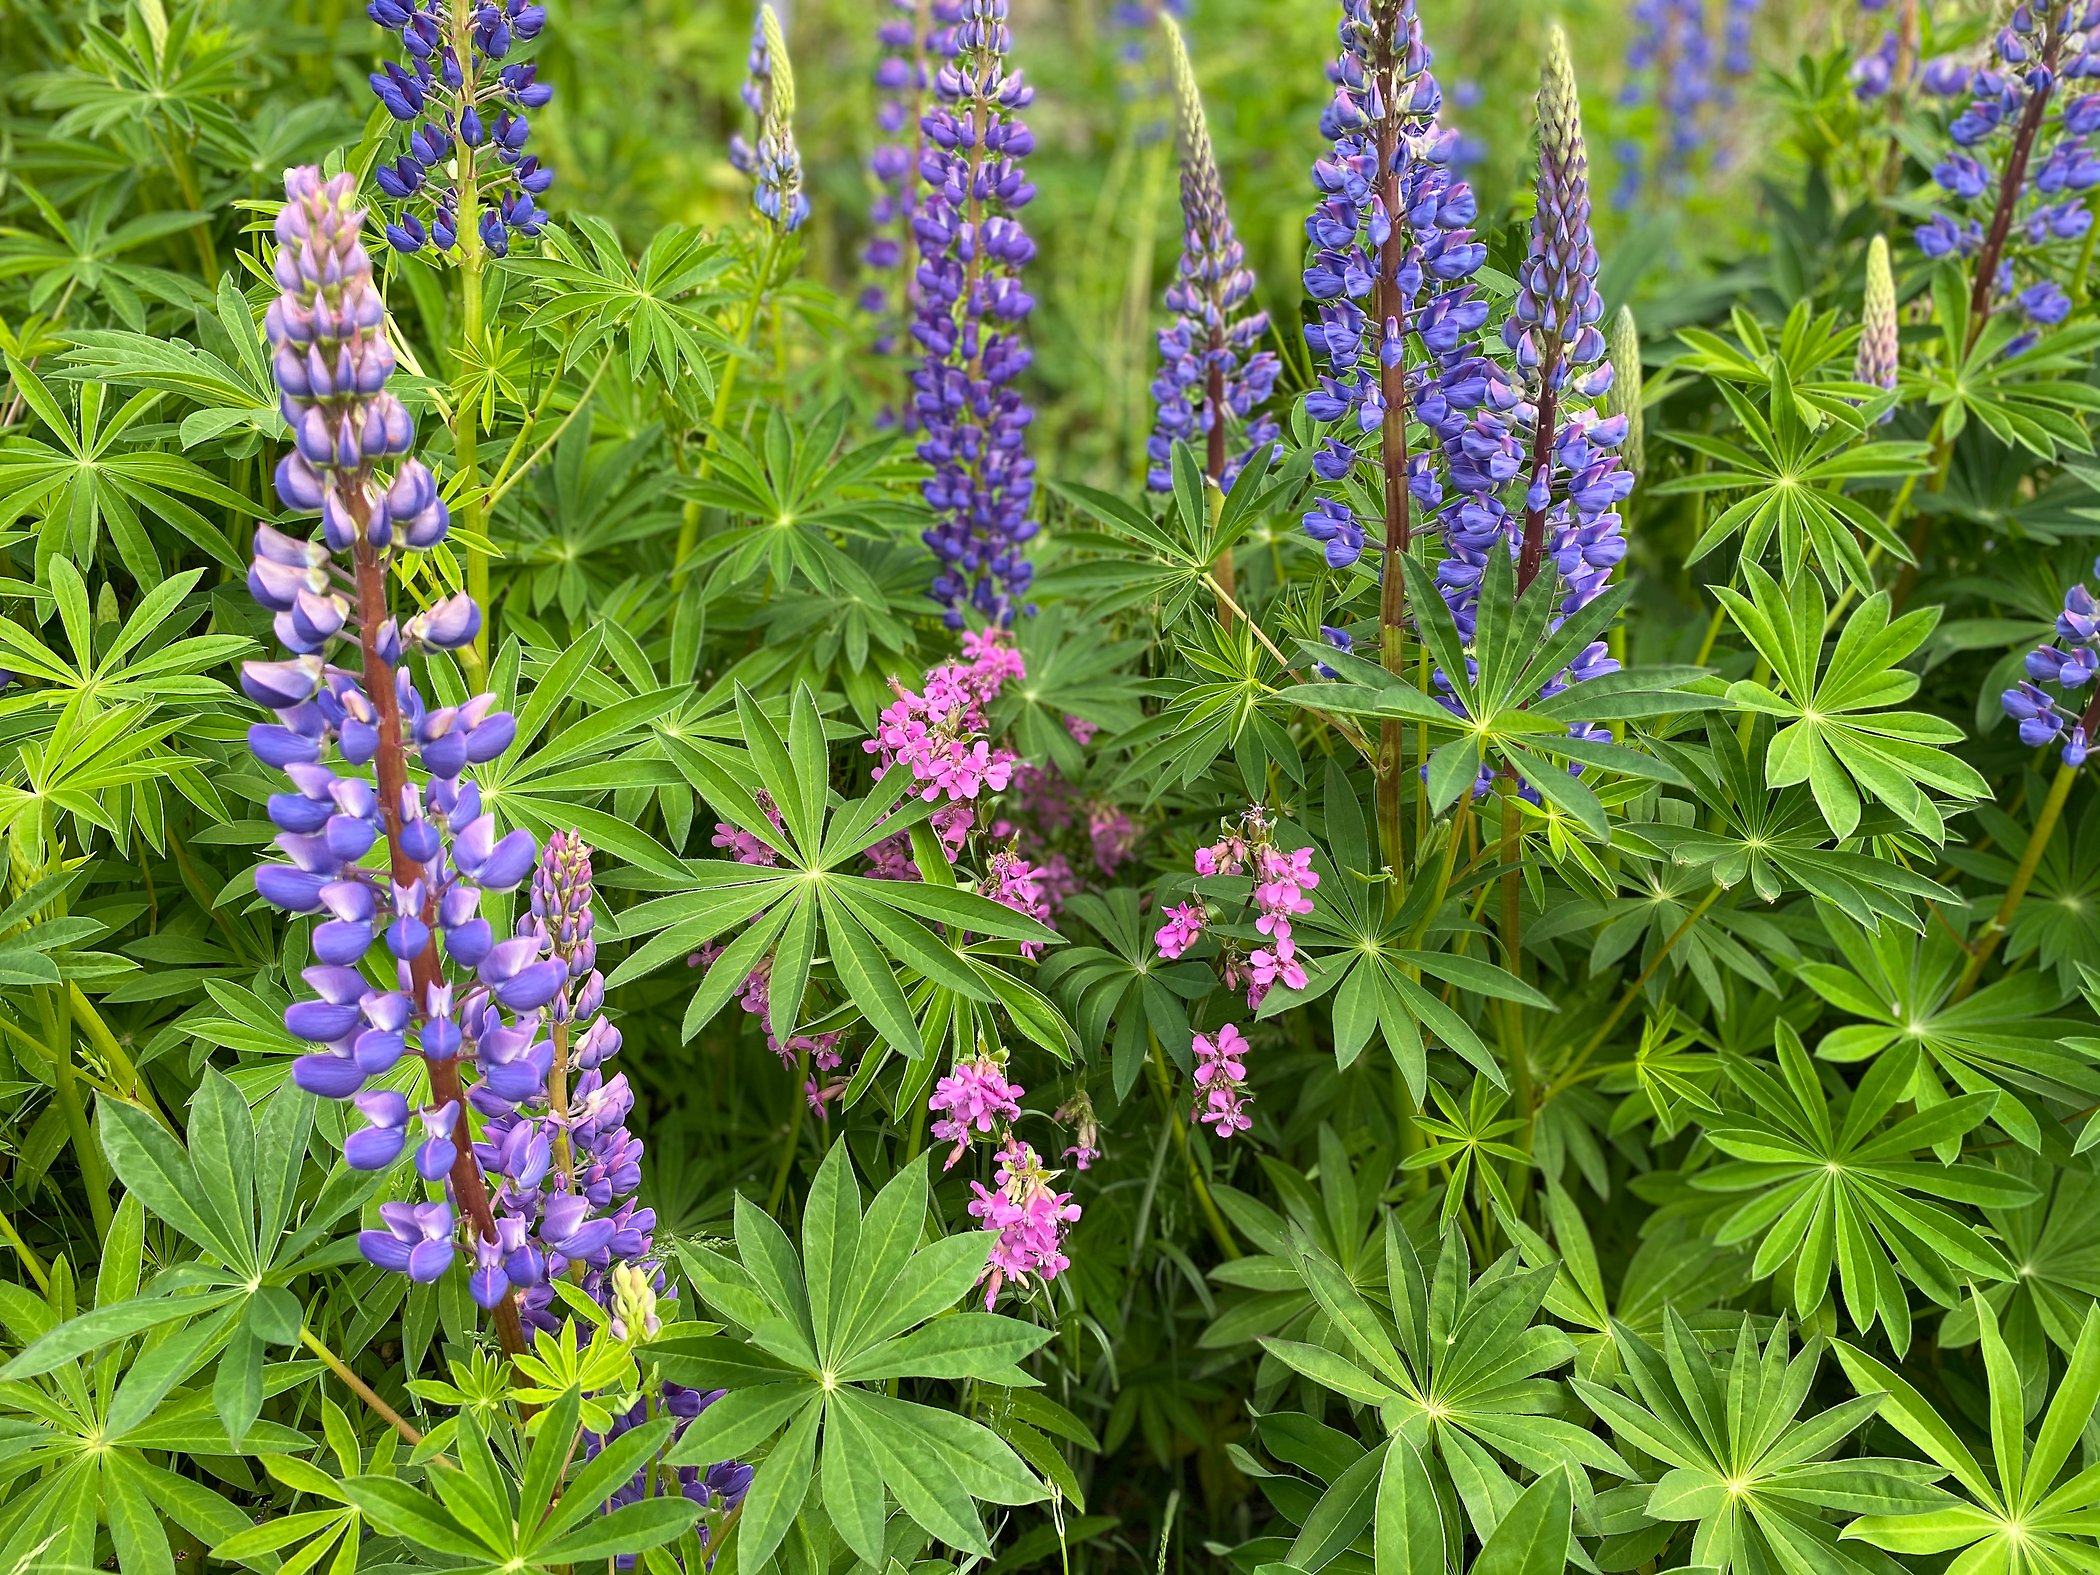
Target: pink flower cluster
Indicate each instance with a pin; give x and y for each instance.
(1221, 1081)
(1184, 927)
(1030, 1217)
(1283, 882)
(935, 734)
(741, 845)
(1015, 883)
(1078, 1114)
(974, 1096)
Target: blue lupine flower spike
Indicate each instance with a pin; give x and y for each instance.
(1211, 379)
(971, 310)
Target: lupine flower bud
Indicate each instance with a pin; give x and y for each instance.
(1876, 363)
(775, 165)
(1623, 347)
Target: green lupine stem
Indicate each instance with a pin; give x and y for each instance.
(1568, 1077)
(689, 524)
(133, 1086)
(1163, 1083)
(1518, 1057)
(87, 1151)
(25, 1252)
(410, 1434)
(778, 1191)
(1981, 950)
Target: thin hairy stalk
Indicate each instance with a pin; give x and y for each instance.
(410, 1433)
(1212, 1219)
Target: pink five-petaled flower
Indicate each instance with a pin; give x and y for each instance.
(1184, 927)
(1221, 1081)
(1029, 1216)
(1278, 964)
(974, 1095)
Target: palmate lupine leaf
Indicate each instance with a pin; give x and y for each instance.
(2038, 399)
(1456, 1371)
(87, 1427)
(1123, 995)
(2001, 1037)
(88, 483)
(1793, 467)
(85, 253)
(1832, 1189)
(660, 309)
(863, 1303)
(1837, 732)
(1499, 718)
(1743, 1467)
(231, 395)
(2021, 1513)
(808, 908)
(232, 1192)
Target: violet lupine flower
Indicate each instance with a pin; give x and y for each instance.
(775, 165)
(1211, 377)
(902, 76)
(465, 164)
(2067, 666)
(1030, 1217)
(1876, 361)
(971, 309)
(1221, 1081)
(1671, 61)
(972, 1099)
(1389, 173)
(2016, 181)
(343, 738)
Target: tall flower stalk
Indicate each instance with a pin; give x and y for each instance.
(1392, 232)
(464, 184)
(972, 309)
(344, 736)
(1211, 379)
(915, 35)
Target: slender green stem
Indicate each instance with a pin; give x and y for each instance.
(1633, 991)
(2037, 844)
(25, 1252)
(133, 1086)
(94, 1170)
(689, 525)
(1220, 1232)
(466, 443)
(510, 472)
(1515, 1053)
(364, 1391)
(778, 1191)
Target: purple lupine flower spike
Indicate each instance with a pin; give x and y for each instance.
(464, 167)
(913, 36)
(2068, 666)
(1396, 316)
(775, 164)
(1211, 378)
(971, 310)
(2016, 180)
(344, 737)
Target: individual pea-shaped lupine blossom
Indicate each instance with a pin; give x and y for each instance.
(1876, 363)
(2066, 667)
(2015, 183)
(971, 309)
(1392, 267)
(1211, 378)
(465, 161)
(344, 735)
(775, 164)
(903, 77)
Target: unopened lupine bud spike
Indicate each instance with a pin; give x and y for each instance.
(1624, 400)
(1878, 357)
